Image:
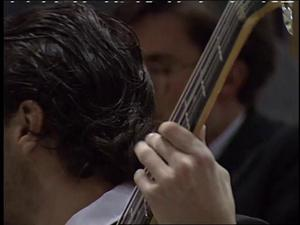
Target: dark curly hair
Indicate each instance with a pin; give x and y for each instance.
(86, 72)
(200, 21)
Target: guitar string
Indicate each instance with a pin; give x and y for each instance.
(241, 3)
(135, 191)
(140, 200)
(189, 102)
(198, 71)
(225, 43)
(203, 58)
(138, 204)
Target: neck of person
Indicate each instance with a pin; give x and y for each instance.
(63, 196)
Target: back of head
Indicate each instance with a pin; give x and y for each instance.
(200, 20)
(86, 73)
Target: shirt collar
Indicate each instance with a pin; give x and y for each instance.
(219, 144)
(106, 210)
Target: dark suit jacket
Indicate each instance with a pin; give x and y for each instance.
(262, 159)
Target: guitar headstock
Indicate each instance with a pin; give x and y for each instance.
(287, 14)
(260, 8)
(248, 8)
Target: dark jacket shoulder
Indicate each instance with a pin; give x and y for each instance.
(263, 160)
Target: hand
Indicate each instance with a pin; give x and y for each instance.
(187, 185)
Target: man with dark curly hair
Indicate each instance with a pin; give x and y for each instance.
(77, 100)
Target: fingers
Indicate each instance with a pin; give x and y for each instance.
(188, 174)
(151, 160)
(181, 138)
(162, 147)
(175, 150)
(144, 184)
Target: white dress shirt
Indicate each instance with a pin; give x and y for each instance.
(106, 210)
(218, 145)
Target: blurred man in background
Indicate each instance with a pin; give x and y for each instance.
(260, 154)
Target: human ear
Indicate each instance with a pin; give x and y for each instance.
(30, 124)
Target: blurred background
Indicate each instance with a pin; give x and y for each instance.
(279, 99)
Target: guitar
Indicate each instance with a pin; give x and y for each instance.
(234, 27)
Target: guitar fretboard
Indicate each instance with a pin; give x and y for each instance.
(199, 87)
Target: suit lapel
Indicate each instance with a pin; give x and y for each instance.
(253, 133)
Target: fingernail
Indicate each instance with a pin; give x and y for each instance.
(150, 135)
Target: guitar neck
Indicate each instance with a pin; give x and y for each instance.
(206, 81)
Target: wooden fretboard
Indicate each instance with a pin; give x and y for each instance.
(206, 81)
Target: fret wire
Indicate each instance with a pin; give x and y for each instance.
(226, 42)
(137, 198)
(227, 34)
(128, 207)
(192, 107)
(140, 216)
(133, 217)
(197, 70)
(212, 40)
(175, 110)
(138, 204)
(195, 77)
(205, 55)
(203, 58)
(136, 191)
(247, 2)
